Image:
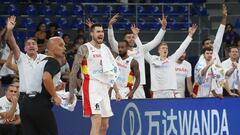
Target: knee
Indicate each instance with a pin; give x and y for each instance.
(104, 126)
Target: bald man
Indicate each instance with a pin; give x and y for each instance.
(38, 118)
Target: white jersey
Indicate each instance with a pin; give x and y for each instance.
(213, 80)
(183, 71)
(126, 77)
(163, 73)
(138, 52)
(93, 65)
(233, 78)
(5, 106)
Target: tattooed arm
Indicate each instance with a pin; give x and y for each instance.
(73, 80)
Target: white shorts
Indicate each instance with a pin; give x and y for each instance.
(139, 93)
(96, 99)
(166, 94)
(122, 91)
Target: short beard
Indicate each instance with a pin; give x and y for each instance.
(123, 54)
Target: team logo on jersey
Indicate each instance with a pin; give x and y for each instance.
(97, 107)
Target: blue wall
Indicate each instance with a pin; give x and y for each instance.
(157, 117)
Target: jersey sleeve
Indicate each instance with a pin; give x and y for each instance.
(52, 67)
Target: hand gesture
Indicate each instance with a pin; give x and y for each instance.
(89, 23)
(163, 22)
(113, 19)
(135, 29)
(57, 100)
(192, 30)
(14, 99)
(11, 22)
(234, 65)
(71, 98)
(224, 10)
(130, 94)
(211, 62)
(118, 96)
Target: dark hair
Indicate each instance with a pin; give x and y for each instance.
(53, 25)
(127, 32)
(124, 41)
(31, 38)
(79, 37)
(204, 40)
(207, 49)
(229, 24)
(80, 30)
(38, 26)
(65, 35)
(95, 25)
(230, 48)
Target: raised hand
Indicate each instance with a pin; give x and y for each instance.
(113, 19)
(224, 10)
(135, 29)
(192, 30)
(11, 22)
(89, 23)
(163, 22)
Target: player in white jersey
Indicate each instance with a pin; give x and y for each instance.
(163, 73)
(136, 52)
(184, 72)
(216, 44)
(211, 76)
(129, 78)
(232, 69)
(97, 68)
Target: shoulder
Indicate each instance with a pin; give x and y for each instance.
(83, 49)
(42, 56)
(187, 63)
(51, 61)
(134, 62)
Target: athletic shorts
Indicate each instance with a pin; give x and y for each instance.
(96, 99)
(166, 94)
(122, 91)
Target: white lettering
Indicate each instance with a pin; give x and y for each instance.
(153, 124)
(195, 127)
(206, 123)
(224, 125)
(214, 113)
(185, 122)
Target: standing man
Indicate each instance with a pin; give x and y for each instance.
(216, 44)
(99, 73)
(231, 69)
(129, 77)
(9, 112)
(36, 113)
(163, 73)
(184, 72)
(25, 62)
(136, 52)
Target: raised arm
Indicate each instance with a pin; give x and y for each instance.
(2, 32)
(156, 41)
(219, 36)
(111, 39)
(203, 72)
(136, 72)
(179, 52)
(10, 64)
(11, 21)
(73, 80)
